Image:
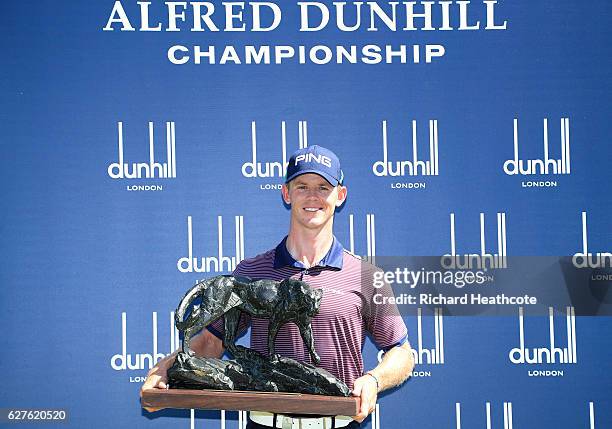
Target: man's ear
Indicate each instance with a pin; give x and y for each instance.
(342, 193)
(285, 193)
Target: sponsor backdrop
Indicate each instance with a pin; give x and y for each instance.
(144, 144)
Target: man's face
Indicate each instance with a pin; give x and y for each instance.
(313, 200)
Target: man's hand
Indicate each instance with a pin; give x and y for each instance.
(157, 378)
(205, 344)
(366, 389)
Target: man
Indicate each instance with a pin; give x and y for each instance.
(310, 252)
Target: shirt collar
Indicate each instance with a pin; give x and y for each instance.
(333, 258)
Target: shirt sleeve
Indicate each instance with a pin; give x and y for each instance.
(383, 321)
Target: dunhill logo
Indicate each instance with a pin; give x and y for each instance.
(433, 356)
(414, 167)
(124, 360)
(541, 166)
(216, 264)
(152, 169)
(587, 259)
(254, 168)
(370, 238)
(483, 260)
(552, 354)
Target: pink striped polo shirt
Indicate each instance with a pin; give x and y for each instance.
(347, 311)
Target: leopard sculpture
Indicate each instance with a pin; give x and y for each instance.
(289, 300)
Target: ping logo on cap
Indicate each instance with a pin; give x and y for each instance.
(311, 157)
(315, 159)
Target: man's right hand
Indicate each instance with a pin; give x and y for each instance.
(157, 378)
(205, 344)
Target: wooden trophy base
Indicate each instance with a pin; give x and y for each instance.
(282, 403)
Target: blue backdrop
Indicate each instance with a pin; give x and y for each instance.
(93, 259)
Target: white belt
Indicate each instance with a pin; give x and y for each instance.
(286, 422)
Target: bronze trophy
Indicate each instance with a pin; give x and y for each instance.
(251, 380)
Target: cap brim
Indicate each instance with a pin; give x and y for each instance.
(332, 181)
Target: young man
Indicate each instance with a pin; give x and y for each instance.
(313, 189)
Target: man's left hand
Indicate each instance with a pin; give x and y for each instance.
(366, 389)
